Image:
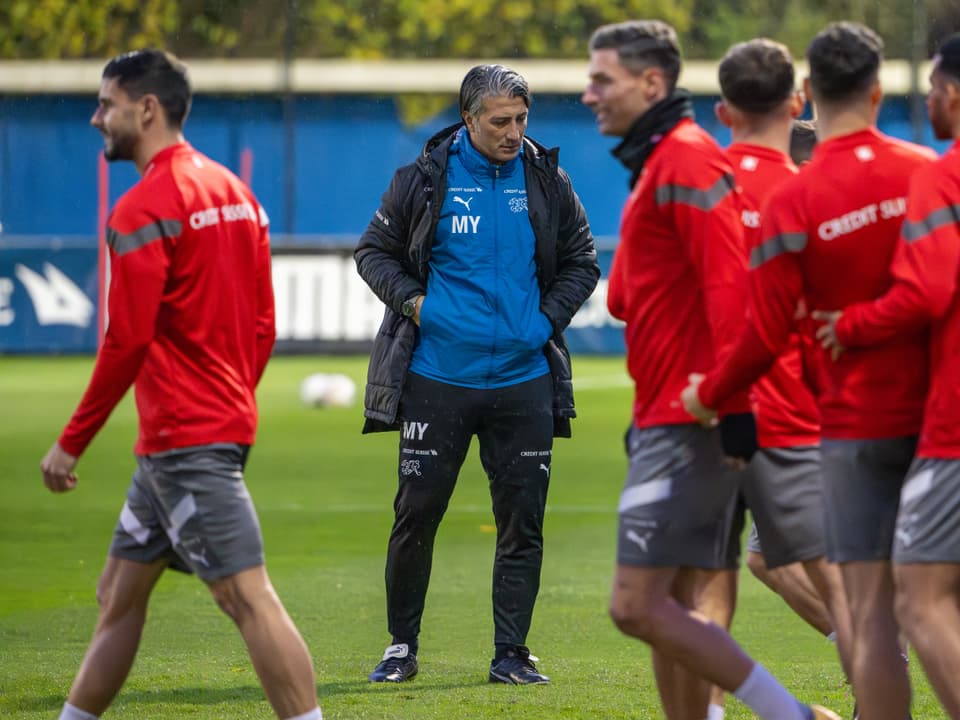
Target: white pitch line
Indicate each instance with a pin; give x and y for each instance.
(601, 382)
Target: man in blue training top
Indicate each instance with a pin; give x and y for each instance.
(482, 253)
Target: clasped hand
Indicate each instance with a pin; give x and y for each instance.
(57, 467)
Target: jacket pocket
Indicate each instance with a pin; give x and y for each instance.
(544, 331)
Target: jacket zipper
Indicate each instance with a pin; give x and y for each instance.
(496, 279)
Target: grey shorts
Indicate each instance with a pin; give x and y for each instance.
(928, 524)
(678, 501)
(192, 507)
(784, 492)
(861, 485)
(753, 540)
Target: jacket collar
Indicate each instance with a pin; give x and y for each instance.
(649, 129)
(478, 164)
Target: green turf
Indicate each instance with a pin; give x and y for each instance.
(324, 495)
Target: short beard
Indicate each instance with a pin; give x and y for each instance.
(119, 147)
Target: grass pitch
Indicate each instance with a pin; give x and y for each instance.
(324, 495)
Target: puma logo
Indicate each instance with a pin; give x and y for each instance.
(639, 540)
(465, 203)
(200, 557)
(545, 468)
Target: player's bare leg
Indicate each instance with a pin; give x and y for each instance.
(718, 703)
(684, 694)
(123, 593)
(716, 600)
(279, 654)
(928, 607)
(641, 606)
(792, 584)
(672, 680)
(675, 684)
(879, 675)
(827, 581)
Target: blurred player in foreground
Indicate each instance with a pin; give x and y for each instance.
(926, 268)
(677, 280)
(782, 488)
(192, 326)
(791, 581)
(842, 211)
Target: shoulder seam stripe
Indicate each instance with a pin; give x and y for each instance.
(776, 246)
(704, 200)
(122, 243)
(913, 231)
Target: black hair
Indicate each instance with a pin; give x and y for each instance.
(844, 60)
(483, 81)
(154, 72)
(756, 76)
(949, 54)
(641, 44)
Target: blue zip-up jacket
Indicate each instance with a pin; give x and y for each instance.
(480, 322)
(394, 256)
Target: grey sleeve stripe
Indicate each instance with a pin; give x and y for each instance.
(777, 245)
(913, 231)
(123, 243)
(704, 200)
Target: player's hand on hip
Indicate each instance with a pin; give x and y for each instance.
(57, 468)
(827, 333)
(691, 402)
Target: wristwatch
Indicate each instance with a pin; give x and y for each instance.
(409, 307)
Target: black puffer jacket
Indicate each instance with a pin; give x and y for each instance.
(394, 251)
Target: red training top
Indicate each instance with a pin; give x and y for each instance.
(786, 411)
(828, 238)
(925, 270)
(678, 274)
(191, 318)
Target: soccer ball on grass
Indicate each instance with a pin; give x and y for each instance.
(328, 390)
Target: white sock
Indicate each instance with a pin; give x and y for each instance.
(70, 712)
(714, 712)
(768, 698)
(832, 637)
(314, 714)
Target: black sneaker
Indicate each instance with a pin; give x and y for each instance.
(398, 664)
(517, 668)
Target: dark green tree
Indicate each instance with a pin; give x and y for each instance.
(409, 29)
(82, 28)
(720, 23)
(468, 28)
(102, 28)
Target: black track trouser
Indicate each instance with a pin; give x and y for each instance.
(514, 426)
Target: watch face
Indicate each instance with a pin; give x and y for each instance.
(407, 308)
